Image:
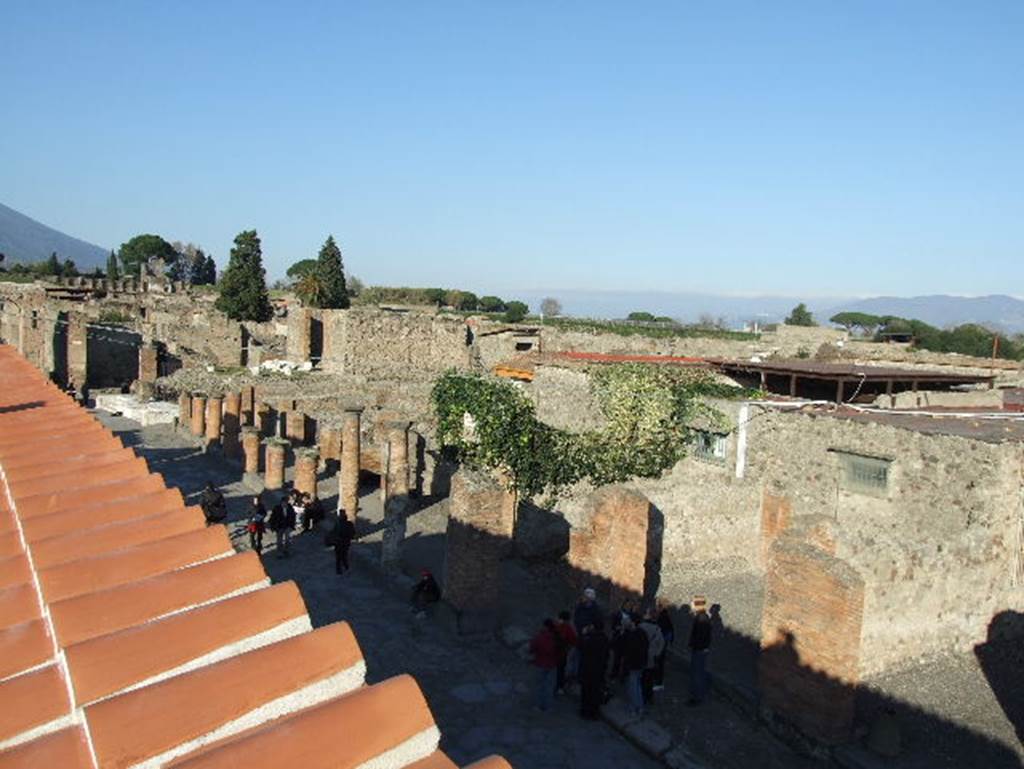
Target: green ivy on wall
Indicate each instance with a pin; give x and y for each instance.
(648, 411)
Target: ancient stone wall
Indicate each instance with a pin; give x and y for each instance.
(563, 399)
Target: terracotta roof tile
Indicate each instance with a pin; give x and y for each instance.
(49, 467)
(491, 762)
(66, 749)
(73, 447)
(31, 701)
(85, 543)
(437, 760)
(100, 514)
(15, 570)
(43, 504)
(18, 603)
(21, 439)
(176, 716)
(107, 611)
(24, 646)
(388, 718)
(118, 568)
(75, 479)
(107, 665)
(10, 544)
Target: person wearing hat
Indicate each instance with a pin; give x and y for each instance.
(700, 646)
(588, 611)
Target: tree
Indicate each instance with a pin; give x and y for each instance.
(800, 316)
(141, 249)
(515, 311)
(310, 289)
(331, 273)
(243, 286)
(113, 273)
(492, 304)
(355, 286)
(301, 268)
(69, 269)
(866, 322)
(550, 307)
(52, 265)
(643, 316)
(209, 272)
(435, 295)
(462, 300)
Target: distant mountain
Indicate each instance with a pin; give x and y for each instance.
(997, 310)
(23, 239)
(1003, 312)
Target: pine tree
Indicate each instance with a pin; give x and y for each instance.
(333, 293)
(210, 271)
(243, 286)
(53, 264)
(113, 273)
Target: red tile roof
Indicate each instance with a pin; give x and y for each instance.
(132, 635)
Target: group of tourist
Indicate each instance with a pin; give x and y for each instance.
(631, 652)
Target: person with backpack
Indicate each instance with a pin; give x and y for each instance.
(276, 522)
(212, 503)
(257, 525)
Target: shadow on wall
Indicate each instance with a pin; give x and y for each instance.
(1002, 659)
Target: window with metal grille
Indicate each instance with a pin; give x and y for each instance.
(711, 447)
(865, 475)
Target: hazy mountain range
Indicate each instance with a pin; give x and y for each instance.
(23, 239)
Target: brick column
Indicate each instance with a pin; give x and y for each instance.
(251, 450)
(198, 415)
(149, 362)
(395, 478)
(295, 427)
(277, 451)
(248, 412)
(306, 461)
(214, 404)
(78, 351)
(184, 411)
(479, 528)
(232, 423)
(348, 490)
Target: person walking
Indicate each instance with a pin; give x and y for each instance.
(314, 513)
(655, 646)
(700, 648)
(668, 632)
(257, 525)
(567, 648)
(587, 610)
(276, 522)
(212, 503)
(289, 526)
(593, 656)
(343, 537)
(634, 660)
(299, 501)
(544, 654)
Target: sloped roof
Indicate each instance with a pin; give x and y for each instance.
(131, 635)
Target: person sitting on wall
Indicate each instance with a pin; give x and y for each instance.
(213, 505)
(426, 592)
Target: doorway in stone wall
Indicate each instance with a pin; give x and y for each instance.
(316, 340)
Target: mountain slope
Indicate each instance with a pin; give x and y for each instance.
(23, 239)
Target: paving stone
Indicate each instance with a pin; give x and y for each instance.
(652, 738)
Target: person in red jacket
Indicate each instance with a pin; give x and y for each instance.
(544, 652)
(567, 633)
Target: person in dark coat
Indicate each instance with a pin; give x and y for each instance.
(314, 513)
(634, 660)
(425, 592)
(668, 632)
(343, 536)
(544, 653)
(276, 522)
(587, 610)
(257, 524)
(700, 647)
(593, 650)
(212, 503)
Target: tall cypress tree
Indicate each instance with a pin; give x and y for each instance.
(210, 271)
(53, 264)
(112, 272)
(331, 274)
(243, 287)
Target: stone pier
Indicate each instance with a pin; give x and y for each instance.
(198, 415)
(277, 453)
(149, 362)
(348, 478)
(295, 427)
(214, 404)
(231, 424)
(264, 419)
(77, 351)
(184, 411)
(248, 405)
(480, 522)
(306, 462)
(251, 451)
(329, 443)
(395, 484)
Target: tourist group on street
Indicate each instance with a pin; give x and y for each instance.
(627, 653)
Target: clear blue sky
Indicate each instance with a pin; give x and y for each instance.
(815, 148)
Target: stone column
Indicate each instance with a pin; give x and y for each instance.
(348, 490)
(395, 477)
(329, 442)
(251, 450)
(306, 461)
(198, 415)
(184, 411)
(232, 403)
(277, 451)
(248, 412)
(78, 351)
(149, 362)
(214, 404)
(295, 427)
